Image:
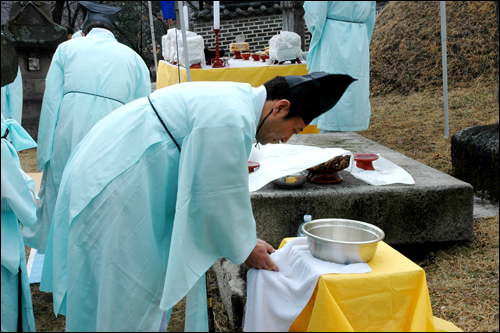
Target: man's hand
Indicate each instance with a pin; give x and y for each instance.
(260, 259)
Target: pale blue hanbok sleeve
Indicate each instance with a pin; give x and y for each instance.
(77, 34)
(315, 16)
(17, 187)
(370, 22)
(21, 140)
(12, 98)
(214, 214)
(143, 86)
(17, 206)
(52, 98)
(17, 203)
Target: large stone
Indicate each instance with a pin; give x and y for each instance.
(232, 283)
(474, 154)
(437, 208)
(9, 61)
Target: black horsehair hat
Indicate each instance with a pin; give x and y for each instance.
(98, 12)
(316, 93)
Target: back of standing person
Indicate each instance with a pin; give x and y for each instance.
(88, 79)
(341, 34)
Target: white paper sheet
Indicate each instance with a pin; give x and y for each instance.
(279, 160)
(385, 173)
(35, 266)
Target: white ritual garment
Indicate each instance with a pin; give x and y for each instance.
(275, 299)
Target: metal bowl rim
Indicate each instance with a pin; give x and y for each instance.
(279, 182)
(343, 242)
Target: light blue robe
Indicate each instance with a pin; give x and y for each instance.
(17, 205)
(77, 34)
(88, 79)
(341, 34)
(137, 223)
(12, 99)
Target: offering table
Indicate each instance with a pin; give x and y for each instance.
(246, 71)
(393, 297)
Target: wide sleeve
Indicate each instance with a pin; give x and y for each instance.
(315, 16)
(143, 86)
(16, 194)
(214, 214)
(49, 115)
(370, 22)
(21, 140)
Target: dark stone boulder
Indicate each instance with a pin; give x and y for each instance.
(474, 155)
(9, 61)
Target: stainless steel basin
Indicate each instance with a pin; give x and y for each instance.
(342, 241)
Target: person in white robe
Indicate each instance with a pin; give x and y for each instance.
(158, 191)
(341, 32)
(18, 203)
(88, 78)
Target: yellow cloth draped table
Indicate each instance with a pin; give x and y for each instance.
(246, 71)
(393, 297)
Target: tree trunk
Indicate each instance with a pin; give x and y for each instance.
(57, 12)
(293, 19)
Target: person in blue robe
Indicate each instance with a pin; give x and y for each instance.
(77, 34)
(18, 203)
(158, 190)
(12, 98)
(341, 32)
(88, 79)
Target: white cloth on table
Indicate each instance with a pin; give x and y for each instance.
(279, 160)
(385, 173)
(285, 46)
(196, 53)
(240, 63)
(275, 299)
(178, 41)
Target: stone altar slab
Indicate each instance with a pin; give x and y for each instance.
(437, 208)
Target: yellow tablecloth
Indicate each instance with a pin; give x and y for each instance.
(255, 75)
(393, 297)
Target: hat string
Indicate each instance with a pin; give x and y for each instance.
(262, 123)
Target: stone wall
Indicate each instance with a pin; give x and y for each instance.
(257, 31)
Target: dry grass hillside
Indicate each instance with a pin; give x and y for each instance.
(406, 46)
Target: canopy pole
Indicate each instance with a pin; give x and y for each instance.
(184, 41)
(442, 5)
(153, 36)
